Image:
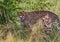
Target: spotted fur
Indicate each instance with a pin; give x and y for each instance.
(31, 18)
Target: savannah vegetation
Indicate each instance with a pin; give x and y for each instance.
(11, 29)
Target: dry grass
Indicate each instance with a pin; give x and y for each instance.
(37, 35)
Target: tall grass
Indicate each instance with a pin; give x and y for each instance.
(36, 35)
(11, 32)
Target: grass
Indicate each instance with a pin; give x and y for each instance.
(36, 35)
(20, 34)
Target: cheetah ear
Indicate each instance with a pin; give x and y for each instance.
(22, 13)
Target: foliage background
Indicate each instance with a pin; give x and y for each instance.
(9, 17)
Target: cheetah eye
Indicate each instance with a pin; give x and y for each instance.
(21, 16)
(43, 18)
